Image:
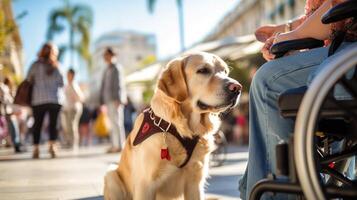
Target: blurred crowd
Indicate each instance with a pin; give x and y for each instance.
(57, 111)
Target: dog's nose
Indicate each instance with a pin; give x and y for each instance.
(234, 87)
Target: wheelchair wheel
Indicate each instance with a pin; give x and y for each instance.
(320, 170)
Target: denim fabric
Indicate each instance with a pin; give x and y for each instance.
(266, 127)
(14, 131)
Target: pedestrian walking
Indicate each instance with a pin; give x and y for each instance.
(72, 110)
(113, 96)
(47, 82)
(85, 120)
(130, 115)
(8, 110)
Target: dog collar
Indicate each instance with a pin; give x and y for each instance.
(153, 124)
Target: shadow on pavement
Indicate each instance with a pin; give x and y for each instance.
(92, 198)
(28, 157)
(226, 185)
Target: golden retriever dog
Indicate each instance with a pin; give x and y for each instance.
(191, 92)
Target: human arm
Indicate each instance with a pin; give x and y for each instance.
(78, 92)
(60, 78)
(265, 32)
(312, 27)
(116, 87)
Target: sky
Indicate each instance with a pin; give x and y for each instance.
(200, 17)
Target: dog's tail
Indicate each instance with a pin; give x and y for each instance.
(114, 188)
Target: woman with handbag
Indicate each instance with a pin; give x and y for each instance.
(47, 82)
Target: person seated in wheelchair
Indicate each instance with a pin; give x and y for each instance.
(266, 127)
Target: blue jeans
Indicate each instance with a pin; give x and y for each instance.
(266, 127)
(14, 131)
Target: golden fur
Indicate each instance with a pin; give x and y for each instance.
(142, 174)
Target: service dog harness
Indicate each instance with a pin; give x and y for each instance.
(153, 124)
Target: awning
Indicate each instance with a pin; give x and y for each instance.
(149, 73)
(233, 48)
(222, 43)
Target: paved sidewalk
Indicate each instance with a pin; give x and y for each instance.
(80, 175)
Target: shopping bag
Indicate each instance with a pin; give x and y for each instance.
(102, 125)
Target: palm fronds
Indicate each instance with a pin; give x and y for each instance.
(79, 19)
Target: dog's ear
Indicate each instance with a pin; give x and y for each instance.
(173, 80)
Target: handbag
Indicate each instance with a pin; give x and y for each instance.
(102, 125)
(24, 93)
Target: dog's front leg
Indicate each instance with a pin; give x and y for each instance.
(144, 191)
(194, 192)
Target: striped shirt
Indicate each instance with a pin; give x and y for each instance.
(46, 88)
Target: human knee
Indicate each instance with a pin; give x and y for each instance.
(262, 76)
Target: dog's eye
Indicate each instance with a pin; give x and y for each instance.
(203, 71)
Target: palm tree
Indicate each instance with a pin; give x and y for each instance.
(151, 5)
(79, 19)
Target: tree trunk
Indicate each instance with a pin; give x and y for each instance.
(71, 44)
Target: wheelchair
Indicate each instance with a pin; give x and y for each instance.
(309, 165)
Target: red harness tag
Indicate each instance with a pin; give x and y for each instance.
(150, 127)
(165, 154)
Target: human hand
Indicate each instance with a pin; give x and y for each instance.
(266, 49)
(103, 108)
(281, 37)
(117, 103)
(263, 33)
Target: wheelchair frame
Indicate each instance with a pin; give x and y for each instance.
(303, 178)
(303, 175)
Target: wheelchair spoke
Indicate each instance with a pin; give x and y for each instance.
(337, 175)
(339, 156)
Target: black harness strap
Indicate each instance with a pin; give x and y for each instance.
(153, 124)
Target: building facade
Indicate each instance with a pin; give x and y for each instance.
(132, 48)
(250, 14)
(133, 51)
(11, 55)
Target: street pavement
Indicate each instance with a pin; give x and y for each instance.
(79, 175)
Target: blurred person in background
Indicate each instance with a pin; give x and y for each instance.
(240, 127)
(47, 82)
(72, 110)
(130, 115)
(85, 120)
(9, 110)
(113, 96)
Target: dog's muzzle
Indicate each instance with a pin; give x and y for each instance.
(233, 90)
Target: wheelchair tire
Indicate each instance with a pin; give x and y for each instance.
(307, 118)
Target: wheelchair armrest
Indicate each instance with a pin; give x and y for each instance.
(281, 48)
(341, 11)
